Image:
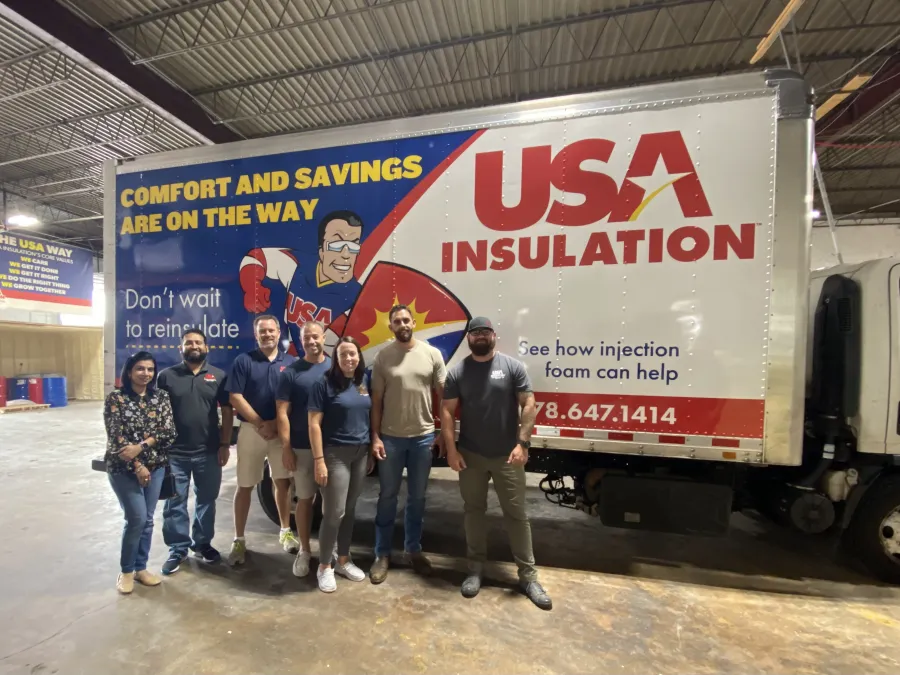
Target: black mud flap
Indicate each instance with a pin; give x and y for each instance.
(664, 505)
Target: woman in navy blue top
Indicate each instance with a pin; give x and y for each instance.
(339, 407)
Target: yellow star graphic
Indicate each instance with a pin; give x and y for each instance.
(381, 331)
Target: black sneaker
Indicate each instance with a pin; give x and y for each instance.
(208, 554)
(537, 595)
(173, 563)
(471, 586)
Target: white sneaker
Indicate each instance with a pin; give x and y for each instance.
(301, 564)
(238, 552)
(349, 571)
(288, 541)
(326, 580)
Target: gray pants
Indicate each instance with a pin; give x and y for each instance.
(509, 484)
(346, 473)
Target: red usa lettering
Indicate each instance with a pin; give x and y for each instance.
(299, 311)
(602, 196)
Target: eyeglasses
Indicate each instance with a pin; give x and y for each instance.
(338, 246)
(481, 331)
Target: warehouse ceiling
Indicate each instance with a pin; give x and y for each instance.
(82, 81)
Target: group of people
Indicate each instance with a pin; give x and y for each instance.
(323, 422)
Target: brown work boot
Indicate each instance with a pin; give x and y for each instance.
(379, 569)
(420, 564)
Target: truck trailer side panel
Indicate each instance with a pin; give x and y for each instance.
(644, 252)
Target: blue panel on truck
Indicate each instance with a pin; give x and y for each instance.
(213, 245)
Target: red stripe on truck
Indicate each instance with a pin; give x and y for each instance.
(571, 433)
(726, 442)
(669, 415)
(619, 436)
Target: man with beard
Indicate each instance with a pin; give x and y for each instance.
(293, 430)
(199, 452)
(489, 388)
(404, 375)
(252, 386)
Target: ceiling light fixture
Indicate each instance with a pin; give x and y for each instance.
(21, 220)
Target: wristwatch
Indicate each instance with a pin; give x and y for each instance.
(144, 446)
(525, 444)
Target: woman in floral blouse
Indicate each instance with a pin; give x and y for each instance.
(139, 430)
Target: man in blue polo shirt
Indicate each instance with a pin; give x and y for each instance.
(252, 387)
(293, 429)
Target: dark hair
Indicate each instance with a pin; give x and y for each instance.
(130, 362)
(193, 331)
(334, 375)
(265, 317)
(398, 308)
(352, 219)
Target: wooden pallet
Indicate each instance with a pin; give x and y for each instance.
(23, 408)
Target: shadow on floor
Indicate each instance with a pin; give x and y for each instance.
(755, 555)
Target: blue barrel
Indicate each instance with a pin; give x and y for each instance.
(18, 388)
(55, 391)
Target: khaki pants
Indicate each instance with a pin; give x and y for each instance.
(252, 452)
(509, 485)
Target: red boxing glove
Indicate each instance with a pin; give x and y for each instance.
(256, 296)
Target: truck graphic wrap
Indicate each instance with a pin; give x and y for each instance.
(617, 254)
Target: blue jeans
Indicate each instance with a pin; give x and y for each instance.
(414, 454)
(177, 531)
(139, 504)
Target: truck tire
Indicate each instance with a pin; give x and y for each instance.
(874, 533)
(265, 492)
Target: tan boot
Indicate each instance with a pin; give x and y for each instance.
(147, 578)
(125, 583)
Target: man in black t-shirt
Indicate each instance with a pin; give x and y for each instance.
(488, 388)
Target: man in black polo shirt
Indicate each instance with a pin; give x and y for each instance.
(252, 385)
(201, 449)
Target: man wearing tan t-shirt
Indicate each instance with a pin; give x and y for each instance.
(404, 376)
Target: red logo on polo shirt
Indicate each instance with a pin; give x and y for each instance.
(282, 369)
(209, 377)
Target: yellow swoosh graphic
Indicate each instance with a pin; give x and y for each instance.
(649, 198)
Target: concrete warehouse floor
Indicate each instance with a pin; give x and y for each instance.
(625, 602)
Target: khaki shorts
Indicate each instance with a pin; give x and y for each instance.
(305, 485)
(252, 452)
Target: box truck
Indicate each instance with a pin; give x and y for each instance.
(645, 252)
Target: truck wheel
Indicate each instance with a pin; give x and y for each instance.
(875, 530)
(265, 492)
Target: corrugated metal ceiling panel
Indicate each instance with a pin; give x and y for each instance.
(275, 66)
